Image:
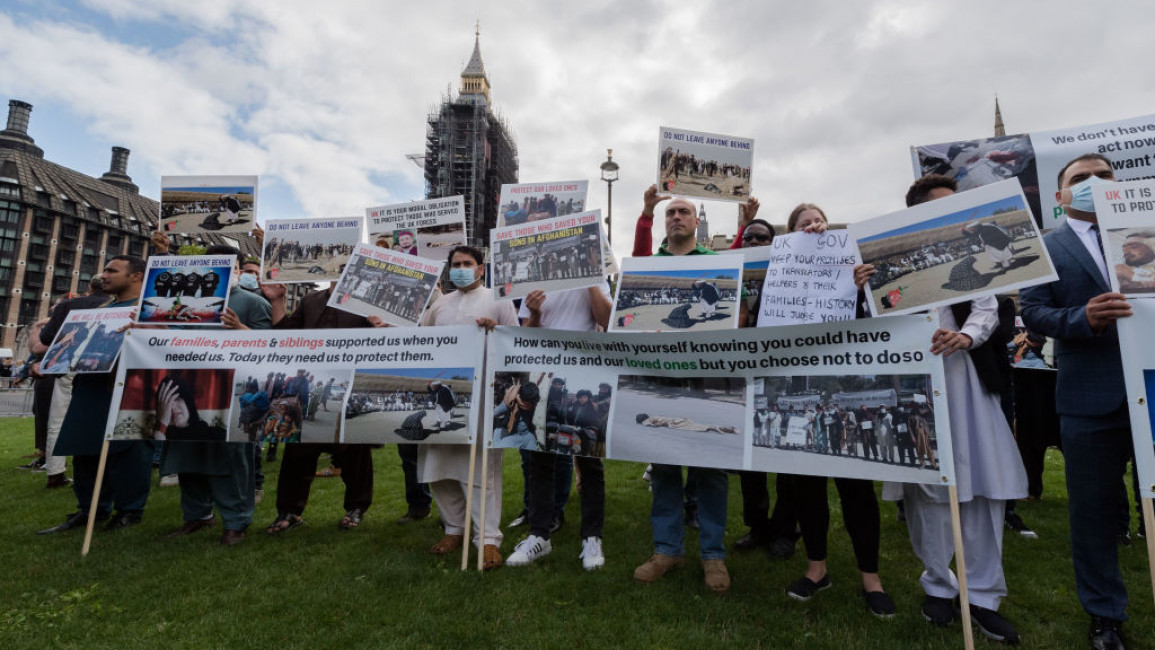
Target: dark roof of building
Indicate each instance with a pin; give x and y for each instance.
(475, 68)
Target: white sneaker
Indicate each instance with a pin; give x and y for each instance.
(591, 555)
(528, 550)
(169, 480)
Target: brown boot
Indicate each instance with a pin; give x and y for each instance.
(490, 557)
(657, 566)
(717, 577)
(447, 544)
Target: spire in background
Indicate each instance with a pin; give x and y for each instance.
(999, 129)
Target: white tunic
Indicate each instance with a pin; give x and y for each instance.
(451, 462)
(986, 460)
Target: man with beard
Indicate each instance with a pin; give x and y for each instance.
(1137, 272)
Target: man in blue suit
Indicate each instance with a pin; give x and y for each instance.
(1079, 311)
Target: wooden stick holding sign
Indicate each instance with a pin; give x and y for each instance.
(468, 508)
(961, 570)
(1149, 524)
(95, 499)
(481, 494)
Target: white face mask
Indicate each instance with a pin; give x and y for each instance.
(249, 281)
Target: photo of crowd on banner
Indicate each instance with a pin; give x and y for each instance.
(88, 342)
(288, 407)
(308, 250)
(572, 422)
(575, 257)
(704, 164)
(366, 286)
(394, 405)
(883, 418)
(667, 420)
(196, 204)
(537, 208)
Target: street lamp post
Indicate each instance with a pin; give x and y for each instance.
(609, 175)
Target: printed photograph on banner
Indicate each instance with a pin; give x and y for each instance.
(754, 263)
(427, 228)
(1128, 143)
(308, 250)
(693, 292)
(186, 290)
(973, 163)
(569, 418)
(402, 405)
(174, 404)
(668, 420)
(969, 244)
(1126, 215)
(88, 341)
(301, 405)
(712, 166)
(878, 418)
(524, 202)
(810, 279)
(551, 255)
(385, 283)
(213, 204)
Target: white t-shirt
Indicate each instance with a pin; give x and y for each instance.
(568, 310)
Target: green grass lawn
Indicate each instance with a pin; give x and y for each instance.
(376, 587)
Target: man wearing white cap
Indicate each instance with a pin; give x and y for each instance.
(1137, 272)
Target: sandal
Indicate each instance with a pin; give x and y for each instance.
(352, 519)
(285, 522)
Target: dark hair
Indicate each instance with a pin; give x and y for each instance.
(225, 249)
(585, 392)
(642, 417)
(185, 392)
(135, 264)
(1086, 156)
(797, 211)
(251, 260)
(96, 285)
(529, 393)
(476, 254)
(760, 222)
(920, 190)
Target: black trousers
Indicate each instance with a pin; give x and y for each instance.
(542, 501)
(859, 514)
(299, 466)
(417, 495)
(756, 505)
(127, 477)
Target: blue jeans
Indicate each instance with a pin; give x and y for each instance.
(1096, 452)
(668, 518)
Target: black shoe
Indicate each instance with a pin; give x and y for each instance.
(74, 520)
(557, 523)
(521, 519)
(994, 626)
(1124, 538)
(804, 588)
(749, 542)
(938, 611)
(1106, 634)
(782, 547)
(413, 514)
(123, 520)
(692, 518)
(1013, 521)
(879, 604)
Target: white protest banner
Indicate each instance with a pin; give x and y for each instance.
(1126, 214)
(710, 399)
(212, 204)
(385, 283)
(308, 250)
(1128, 144)
(810, 279)
(360, 386)
(956, 248)
(1139, 376)
(536, 201)
(709, 165)
(1036, 158)
(663, 293)
(186, 289)
(551, 255)
(428, 229)
(88, 341)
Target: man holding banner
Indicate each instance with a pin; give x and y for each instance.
(666, 480)
(1079, 311)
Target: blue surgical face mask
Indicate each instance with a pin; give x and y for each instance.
(462, 277)
(249, 281)
(1083, 196)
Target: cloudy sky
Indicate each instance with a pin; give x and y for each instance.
(324, 100)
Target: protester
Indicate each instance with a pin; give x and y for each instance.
(1080, 312)
(988, 468)
(666, 514)
(446, 467)
(128, 466)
